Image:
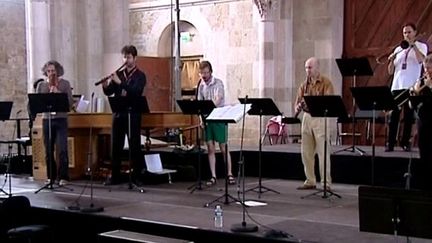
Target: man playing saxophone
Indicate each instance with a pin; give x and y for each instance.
(312, 129)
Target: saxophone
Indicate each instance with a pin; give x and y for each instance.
(302, 105)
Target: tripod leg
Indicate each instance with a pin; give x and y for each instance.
(198, 184)
(134, 147)
(323, 193)
(326, 193)
(227, 159)
(49, 145)
(260, 187)
(135, 187)
(223, 199)
(7, 177)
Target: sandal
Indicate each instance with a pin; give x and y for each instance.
(231, 180)
(211, 182)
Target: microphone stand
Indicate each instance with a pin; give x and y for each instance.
(92, 208)
(8, 177)
(243, 227)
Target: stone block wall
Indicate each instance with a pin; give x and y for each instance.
(13, 73)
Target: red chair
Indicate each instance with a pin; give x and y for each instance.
(276, 131)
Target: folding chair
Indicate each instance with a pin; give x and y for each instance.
(154, 165)
(276, 131)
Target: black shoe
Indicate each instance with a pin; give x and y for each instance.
(389, 148)
(112, 181)
(406, 148)
(137, 181)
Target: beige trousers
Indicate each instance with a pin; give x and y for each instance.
(313, 138)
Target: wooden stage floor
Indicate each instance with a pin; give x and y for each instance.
(312, 219)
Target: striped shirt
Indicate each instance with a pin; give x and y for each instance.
(214, 91)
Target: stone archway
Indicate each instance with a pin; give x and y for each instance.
(191, 51)
(190, 38)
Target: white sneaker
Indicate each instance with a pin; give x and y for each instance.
(48, 181)
(63, 182)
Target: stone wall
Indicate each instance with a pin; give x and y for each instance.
(13, 76)
(254, 56)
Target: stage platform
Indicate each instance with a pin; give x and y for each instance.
(283, 161)
(310, 219)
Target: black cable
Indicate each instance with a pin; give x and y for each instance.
(75, 205)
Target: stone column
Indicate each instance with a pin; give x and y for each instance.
(64, 37)
(38, 38)
(266, 43)
(90, 48)
(115, 33)
(266, 58)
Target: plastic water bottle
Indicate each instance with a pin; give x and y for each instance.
(218, 217)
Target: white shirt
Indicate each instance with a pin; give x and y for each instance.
(212, 90)
(405, 78)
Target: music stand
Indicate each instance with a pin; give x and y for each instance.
(373, 98)
(354, 67)
(325, 106)
(129, 105)
(49, 102)
(261, 107)
(199, 108)
(243, 227)
(5, 111)
(395, 211)
(92, 208)
(226, 115)
(416, 100)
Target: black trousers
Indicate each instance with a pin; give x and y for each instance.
(421, 171)
(59, 133)
(120, 130)
(394, 122)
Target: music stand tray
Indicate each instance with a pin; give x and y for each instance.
(290, 120)
(325, 106)
(354, 67)
(125, 104)
(200, 108)
(358, 66)
(5, 110)
(261, 107)
(128, 105)
(373, 98)
(196, 107)
(395, 211)
(48, 102)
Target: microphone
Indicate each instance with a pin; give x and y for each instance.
(91, 102)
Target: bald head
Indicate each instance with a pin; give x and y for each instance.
(312, 67)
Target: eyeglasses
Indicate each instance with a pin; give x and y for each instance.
(205, 72)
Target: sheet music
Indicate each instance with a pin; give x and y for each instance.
(82, 105)
(229, 113)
